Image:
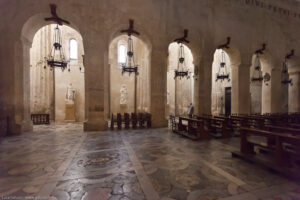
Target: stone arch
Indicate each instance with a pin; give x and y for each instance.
(22, 63)
(174, 104)
(137, 87)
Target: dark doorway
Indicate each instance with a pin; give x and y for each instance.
(227, 101)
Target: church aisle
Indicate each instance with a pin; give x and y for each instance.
(62, 162)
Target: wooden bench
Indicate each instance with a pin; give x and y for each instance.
(127, 120)
(192, 128)
(119, 121)
(282, 153)
(39, 119)
(216, 125)
(134, 120)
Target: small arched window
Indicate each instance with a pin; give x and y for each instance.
(122, 54)
(73, 49)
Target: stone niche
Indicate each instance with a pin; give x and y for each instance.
(122, 89)
(218, 87)
(180, 92)
(48, 87)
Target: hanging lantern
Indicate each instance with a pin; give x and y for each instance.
(257, 73)
(181, 70)
(130, 65)
(56, 57)
(284, 74)
(222, 73)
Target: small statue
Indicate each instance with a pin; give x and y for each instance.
(70, 96)
(124, 95)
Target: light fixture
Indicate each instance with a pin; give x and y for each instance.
(182, 71)
(222, 73)
(56, 57)
(129, 66)
(284, 73)
(257, 73)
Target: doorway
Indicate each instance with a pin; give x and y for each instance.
(228, 101)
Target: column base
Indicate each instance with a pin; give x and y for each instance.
(95, 126)
(160, 124)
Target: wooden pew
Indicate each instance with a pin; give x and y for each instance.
(133, 120)
(192, 128)
(282, 154)
(119, 121)
(141, 120)
(280, 129)
(216, 125)
(148, 118)
(127, 120)
(113, 120)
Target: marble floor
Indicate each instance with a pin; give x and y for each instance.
(62, 162)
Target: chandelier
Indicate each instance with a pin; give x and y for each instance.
(257, 73)
(284, 73)
(222, 74)
(56, 57)
(129, 66)
(182, 71)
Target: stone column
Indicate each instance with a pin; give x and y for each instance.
(96, 60)
(240, 89)
(294, 89)
(203, 84)
(271, 90)
(158, 82)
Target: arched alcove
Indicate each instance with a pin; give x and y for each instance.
(180, 91)
(49, 87)
(128, 93)
(22, 67)
(221, 88)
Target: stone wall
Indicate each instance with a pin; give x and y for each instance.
(48, 87)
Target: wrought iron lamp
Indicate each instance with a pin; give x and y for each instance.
(284, 73)
(257, 73)
(56, 57)
(222, 74)
(182, 71)
(130, 66)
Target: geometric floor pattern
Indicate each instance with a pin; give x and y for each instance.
(62, 162)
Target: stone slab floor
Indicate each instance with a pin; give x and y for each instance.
(62, 162)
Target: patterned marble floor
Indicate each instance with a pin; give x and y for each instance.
(62, 162)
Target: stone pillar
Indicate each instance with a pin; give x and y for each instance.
(240, 89)
(294, 89)
(96, 60)
(158, 82)
(272, 90)
(203, 84)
